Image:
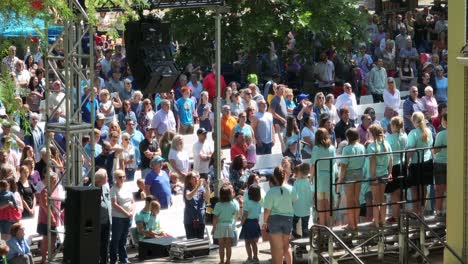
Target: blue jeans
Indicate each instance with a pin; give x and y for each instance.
(264, 149)
(120, 228)
(130, 174)
(304, 226)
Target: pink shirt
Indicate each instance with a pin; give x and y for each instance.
(431, 105)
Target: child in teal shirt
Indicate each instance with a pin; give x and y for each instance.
(304, 191)
(250, 226)
(224, 216)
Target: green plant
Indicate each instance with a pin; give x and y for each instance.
(9, 100)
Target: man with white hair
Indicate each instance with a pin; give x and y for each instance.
(10, 60)
(164, 119)
(348, 99)
(56, 97)
(106, 212)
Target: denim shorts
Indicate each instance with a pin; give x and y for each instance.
(280, 224)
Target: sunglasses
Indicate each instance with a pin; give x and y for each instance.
(126, 139)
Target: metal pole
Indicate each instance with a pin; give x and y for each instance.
(218, 101)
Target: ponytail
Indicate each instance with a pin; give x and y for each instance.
(418, 119)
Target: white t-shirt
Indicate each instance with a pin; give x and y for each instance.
(181, 160)
(124, 198)
(202, 166)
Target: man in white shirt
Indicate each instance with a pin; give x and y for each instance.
(325, 73)
(348, 98)
(202, 154)
(56, 97)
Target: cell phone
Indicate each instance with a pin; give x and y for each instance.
(114, 95)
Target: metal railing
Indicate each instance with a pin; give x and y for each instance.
(401, 178)
(412, 215)
(332, 236)
(420, 197)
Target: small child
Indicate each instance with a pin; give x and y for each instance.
(140, 195)
(304, 190)
(154, 225)
(176, 186)
(7, 198)
(250, 226)
(224, 216)
(251, 151)
(290, 105)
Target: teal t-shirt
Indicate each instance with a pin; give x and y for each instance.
(415, 141)
(323, 166)
(381, 161)
(365, 185)
(353, 163)
(254, 209)
(143, 217)
(226, 212)
(280, 199)
(304, 191)
(441, 140)
(398, 142)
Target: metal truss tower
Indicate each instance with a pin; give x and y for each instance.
(73, 76)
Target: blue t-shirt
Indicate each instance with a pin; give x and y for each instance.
(160, 187)
(185, 107)
(304, 191)
(226, 212)
(254, 209)
(441, 89)
(280, 199)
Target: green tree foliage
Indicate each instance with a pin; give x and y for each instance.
(250, 26)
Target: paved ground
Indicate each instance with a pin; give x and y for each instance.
(239, 255)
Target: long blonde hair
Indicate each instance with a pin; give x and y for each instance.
(420, 122)
(378, 136)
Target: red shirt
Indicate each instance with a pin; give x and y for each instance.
(209, 84)
(238, 150)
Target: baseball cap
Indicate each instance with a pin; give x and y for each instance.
(157, 159)
(100, 116)
(302, 96)
(201, 130)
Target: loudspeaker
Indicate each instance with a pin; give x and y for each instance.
(162, 78)
(82, 225)
(150, 56)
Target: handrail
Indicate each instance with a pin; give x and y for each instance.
(417, 151)
(419, 219)
(342, 244)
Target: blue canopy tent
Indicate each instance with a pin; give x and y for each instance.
(18, 27)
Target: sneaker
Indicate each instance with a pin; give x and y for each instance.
(248, 261)
(255, 260)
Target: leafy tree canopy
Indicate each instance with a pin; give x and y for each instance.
(250, 26)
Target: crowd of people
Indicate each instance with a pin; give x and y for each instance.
(312, 114)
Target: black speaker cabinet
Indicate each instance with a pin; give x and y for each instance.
(151, 248)
(82, 225)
